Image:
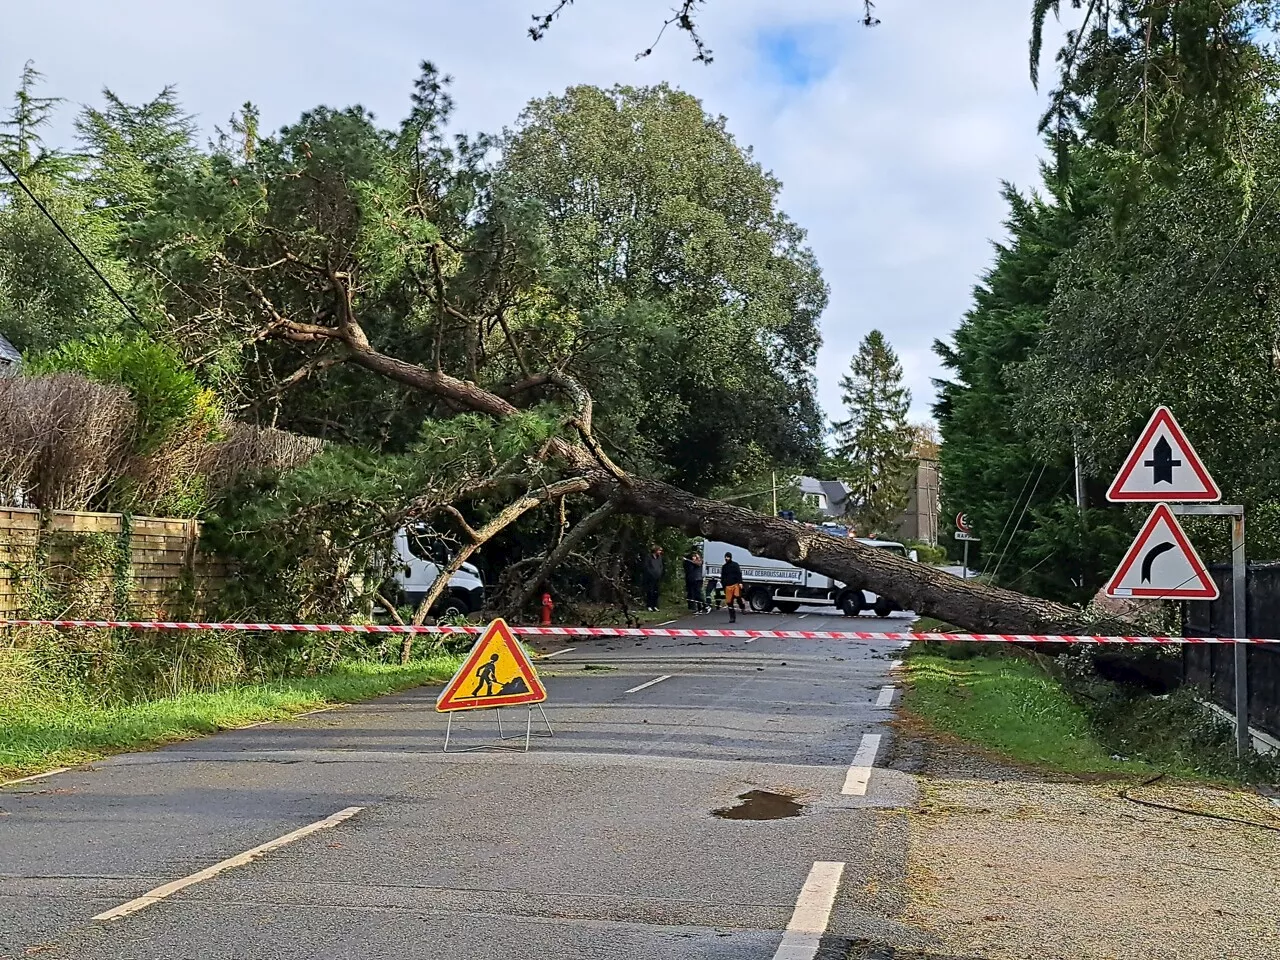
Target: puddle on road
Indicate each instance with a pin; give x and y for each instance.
(761, 805)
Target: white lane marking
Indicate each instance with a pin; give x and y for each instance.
(665, 676)
(558, 652)
(812, 913)
(886, 696)
(855, 782)
(35, 776)
(239, 860)
(803, 615)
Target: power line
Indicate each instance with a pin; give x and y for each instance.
(66, 236)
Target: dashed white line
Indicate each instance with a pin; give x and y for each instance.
(558, 652)
(239, 860)
(859, 775)
(35, 776)
(886, 696)
(812, 914)
(665, 676)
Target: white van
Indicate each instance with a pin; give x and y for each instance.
(770, 584)
(418, 566)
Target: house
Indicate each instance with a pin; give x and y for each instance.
(918, 522)
(10, 358)
(829, 497)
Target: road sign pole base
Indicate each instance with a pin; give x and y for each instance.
(502, 737)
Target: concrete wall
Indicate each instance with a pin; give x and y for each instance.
(920, 520)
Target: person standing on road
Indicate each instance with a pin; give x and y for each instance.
(693, 582)
(731, 579)
(651, 574)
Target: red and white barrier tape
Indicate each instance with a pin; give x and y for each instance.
(620, 632)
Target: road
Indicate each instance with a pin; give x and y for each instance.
(599, 842)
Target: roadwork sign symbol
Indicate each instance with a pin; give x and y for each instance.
(1162, 564)
(495, 674)
(1163, 466)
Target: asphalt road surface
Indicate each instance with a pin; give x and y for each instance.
(599, 842)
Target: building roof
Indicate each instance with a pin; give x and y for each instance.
(9, 355)
(835, 492)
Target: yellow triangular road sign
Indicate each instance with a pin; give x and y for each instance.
(496, 673)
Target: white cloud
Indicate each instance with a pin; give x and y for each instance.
(891, 157)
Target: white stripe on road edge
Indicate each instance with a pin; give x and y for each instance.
(886, 696)
(855, 783)
(558, 652)
(34, 776)
(812, 913)
(239, 860)
(665, 676)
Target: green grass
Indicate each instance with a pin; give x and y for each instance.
(1010, 706)
(38, 735)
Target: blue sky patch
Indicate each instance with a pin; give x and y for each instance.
(798, 56)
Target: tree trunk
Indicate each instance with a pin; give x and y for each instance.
(914, 586)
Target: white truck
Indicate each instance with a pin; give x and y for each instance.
(770, 584)
(419, 561)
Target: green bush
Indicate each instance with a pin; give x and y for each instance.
(167, 394)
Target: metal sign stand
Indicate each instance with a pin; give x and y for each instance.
(1239, 624)
(528, 731)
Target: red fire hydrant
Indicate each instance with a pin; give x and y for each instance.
(547, 606)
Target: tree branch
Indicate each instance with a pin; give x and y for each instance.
(566, 546)
(509, 515)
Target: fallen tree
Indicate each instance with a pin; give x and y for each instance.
(337, 247)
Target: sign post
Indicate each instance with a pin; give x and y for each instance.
(1164, 468)
(1239, 585)
(964, 532)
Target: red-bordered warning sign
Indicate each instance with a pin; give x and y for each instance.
(1162, 564)
(1163, 466)
(495, 674)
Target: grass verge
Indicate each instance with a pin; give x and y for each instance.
(1009, 706)
(40, 735)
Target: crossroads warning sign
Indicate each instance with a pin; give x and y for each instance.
(496, 673)
(1162, 564)
(1163, 466)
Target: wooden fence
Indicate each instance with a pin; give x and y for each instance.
(90, 565)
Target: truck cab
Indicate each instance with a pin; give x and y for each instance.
(419, 561)
(775, 584)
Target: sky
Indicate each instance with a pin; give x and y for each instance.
(891, 142)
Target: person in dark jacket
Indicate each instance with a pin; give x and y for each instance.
(651, 575)
(731, 578)
(693, 582)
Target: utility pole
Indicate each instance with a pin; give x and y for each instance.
(775, 493)
(1075, 452)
